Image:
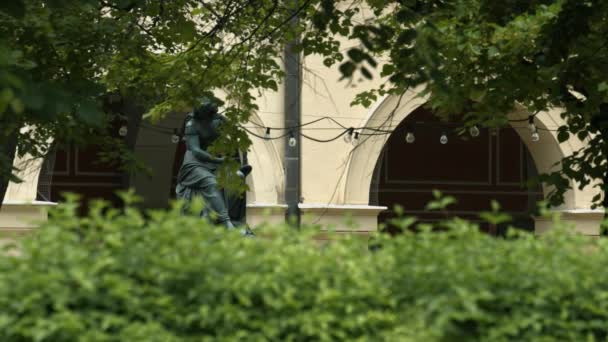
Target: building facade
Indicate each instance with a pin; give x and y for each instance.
(360, 180)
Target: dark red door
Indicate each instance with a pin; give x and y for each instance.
(79, 170)
(492, 166)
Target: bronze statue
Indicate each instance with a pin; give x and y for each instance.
(197, 176)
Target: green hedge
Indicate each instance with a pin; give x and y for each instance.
(122, 277)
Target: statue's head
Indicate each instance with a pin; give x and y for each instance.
(208, 107)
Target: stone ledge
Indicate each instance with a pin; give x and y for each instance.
(271, 206)
(358, 209)
(9, 203)
(22, 217)
(265, 213)
(586, 221)
(336, 216)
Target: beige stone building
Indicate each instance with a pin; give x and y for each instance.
(339, 179)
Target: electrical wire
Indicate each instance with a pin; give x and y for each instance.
(363, 131)
(325, 140)
(266, 138)
(378, 130)
(292, 127)
(526, 119)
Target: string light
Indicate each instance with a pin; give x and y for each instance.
(348, 133)
(348, 137)
(535, 136)
(409, 135)
(532, 127)
(175, 136)
(356, 139)
(122, 131)
(410, 138)
(474, 131)
(292, 140)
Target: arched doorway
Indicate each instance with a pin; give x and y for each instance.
(496, 165)
(89, 167)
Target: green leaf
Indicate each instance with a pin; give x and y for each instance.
(406, 37)
(6, 96)
(272, 85)
(17, 106)
(478, 94)
(440, 202)
(126, 4)
(89, 112)
(582, 135)
(356, 55)
(403, 222)
(437, 194)
(366, 73)
(187, 31)
(405, 15)
(563, 135)
(495, 216)
(398, 210)
(493, 52)
(347, 69)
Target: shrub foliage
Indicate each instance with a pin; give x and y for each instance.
(122, 276)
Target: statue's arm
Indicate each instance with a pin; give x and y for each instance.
(194, 146)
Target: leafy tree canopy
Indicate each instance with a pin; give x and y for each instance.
(477, 57)
(481, 57)
(58, 58)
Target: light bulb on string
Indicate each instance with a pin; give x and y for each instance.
(474, 131)
(409, 135)
(535, 136)
(355, 139)
(292, 140)
(122, 131)
(348, 137)
(175, 137)
(267, 134)
(410, 138)
(532, 127)
(444, 138)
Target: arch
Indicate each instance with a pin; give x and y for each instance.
(268, 172)
(391, 109)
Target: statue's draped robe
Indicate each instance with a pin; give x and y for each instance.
(198, 178)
